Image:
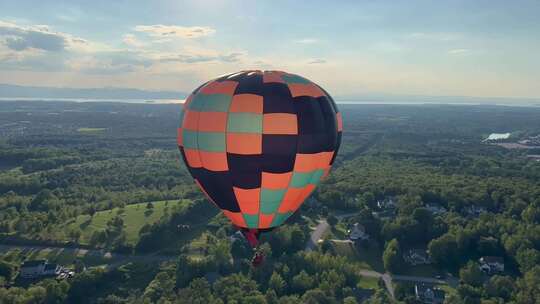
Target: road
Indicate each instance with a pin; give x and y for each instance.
(320, 229)
(316, 235)
(323, 226)
(388, 278)
(116, 259)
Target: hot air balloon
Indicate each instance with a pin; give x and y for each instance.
(257, 143)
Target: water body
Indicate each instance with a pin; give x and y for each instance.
(148, 101)
(358, 102)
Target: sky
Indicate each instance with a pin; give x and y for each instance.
(351, 48)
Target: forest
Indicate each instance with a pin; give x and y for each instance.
(74, 174)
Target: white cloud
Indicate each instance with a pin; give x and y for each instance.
(132, 40)
(168, 31)
(19, 38)
(199, 57)
(307, 41)
(458, 51)
(435, 36)
(317, 61)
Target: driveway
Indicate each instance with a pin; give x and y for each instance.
(316, 235)
(321, 228)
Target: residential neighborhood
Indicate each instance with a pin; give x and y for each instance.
(436, 209)
(358, 232)
(491, 264)
(387, 203)
(428, 293)
(34, 269)
(417, 257)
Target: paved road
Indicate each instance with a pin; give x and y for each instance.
(321, 228)
(388, 278)
(397, 277)
(116, 259)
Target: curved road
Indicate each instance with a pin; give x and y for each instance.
(323, 226)
(116, 259)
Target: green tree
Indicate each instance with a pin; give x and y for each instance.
(235, 288)
(527, 258)
(392, 256)
(161, 287)
(471, 274)
(444, 251)
(6, 270)
(380, 297)
(302, 282)
(277, 283)
(220, 252)
(500, 286)
(529, 287)
(316, 296)
(271, 297)
(332, 220)
(350, 300)
(199, 291)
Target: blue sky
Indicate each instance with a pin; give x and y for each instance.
(352, 48)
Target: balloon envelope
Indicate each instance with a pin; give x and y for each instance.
(258, 143)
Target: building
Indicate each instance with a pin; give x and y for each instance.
(491, 264)
(236, 236)
(33, 269)
(417, 257)
(387, 203)
(358, 232)
(38, 268)
(51, 270)
(436, 209)
(429, 294)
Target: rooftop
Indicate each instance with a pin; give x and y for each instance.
(33, 263)
(50, 267)
(492, 259)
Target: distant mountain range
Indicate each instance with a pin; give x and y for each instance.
(415, 99)
(16, 91)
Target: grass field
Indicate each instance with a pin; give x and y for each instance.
(371, 256)
(368, 283)
(135, 217)
(345, 249)
(368, 257)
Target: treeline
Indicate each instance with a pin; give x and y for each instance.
(483, 216)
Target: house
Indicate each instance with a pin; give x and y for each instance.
(491, 264)
(384, 214)
(436, 209)
(51, 270)
(417, 257)
(236, 236)
(387, 203)
(39, 268)
(33, 268)
(428, 293)
(358, 232)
